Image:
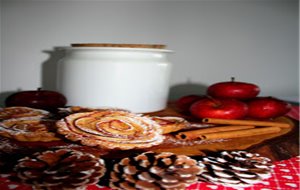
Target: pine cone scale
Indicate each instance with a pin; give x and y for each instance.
(145, 176)
(130, 170)
(146, 185)
(235, 169)
(31, 163)
(155, 171)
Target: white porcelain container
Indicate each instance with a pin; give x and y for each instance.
(129, 77)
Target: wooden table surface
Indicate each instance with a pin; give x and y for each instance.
(276, 148)
(280, 148)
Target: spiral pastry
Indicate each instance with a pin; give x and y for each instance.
(111, 129)
(20, 111)
(29, 129)
(171, 124)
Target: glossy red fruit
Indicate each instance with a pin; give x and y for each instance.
(233, 89)
(41, 99)
(267, 107)
(184, 103)
(219, 108)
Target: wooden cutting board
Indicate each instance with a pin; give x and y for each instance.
(197, 147)
(200, 147)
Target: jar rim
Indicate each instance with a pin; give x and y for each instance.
(148, 46)
(119, 48)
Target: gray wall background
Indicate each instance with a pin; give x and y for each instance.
(253, 40)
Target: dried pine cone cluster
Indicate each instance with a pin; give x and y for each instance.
(154, 171)
(60, 169)
(71, 169)
(235, 169)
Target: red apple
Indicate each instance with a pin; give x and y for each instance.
(41, 99)
(267, 107)
(233, 89)
(184, 103)
(219, 108)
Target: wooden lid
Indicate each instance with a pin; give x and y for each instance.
(152, 46)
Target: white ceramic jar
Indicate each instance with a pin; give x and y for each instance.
(133, 77)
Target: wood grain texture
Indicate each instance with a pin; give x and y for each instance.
(278, 146)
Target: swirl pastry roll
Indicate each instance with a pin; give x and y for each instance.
(111, 129)
(19, 111)
(171, 124)
(29, 129)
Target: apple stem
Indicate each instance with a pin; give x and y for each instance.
(214, 100)
(232, 79)
(39, 89)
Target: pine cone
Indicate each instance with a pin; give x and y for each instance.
(154, 171)
(60, 169)
(235, 169)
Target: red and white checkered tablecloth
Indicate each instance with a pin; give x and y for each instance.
(286, 176)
